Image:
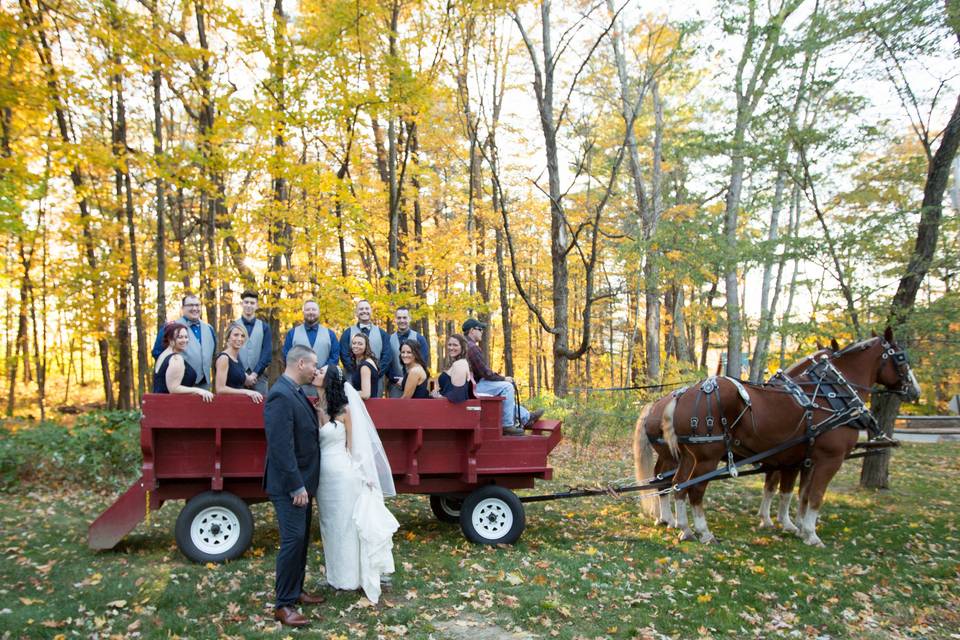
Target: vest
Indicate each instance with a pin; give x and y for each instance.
(200, 355)
(250, 353)
(395, 345)
(321, 344)
(376, 341)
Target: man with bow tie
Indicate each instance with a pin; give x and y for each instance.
(311, 333)
(203, 340)
(379, 340)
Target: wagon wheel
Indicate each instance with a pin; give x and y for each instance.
(492, 515)
(214, 526)
(446, 508)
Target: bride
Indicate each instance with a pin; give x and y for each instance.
(356, 527)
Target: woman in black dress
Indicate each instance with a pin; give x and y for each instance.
(455, 383)
(366, 376)
(172, 373)
(229, 376)
(415, 373)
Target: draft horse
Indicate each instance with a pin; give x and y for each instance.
(809, 422)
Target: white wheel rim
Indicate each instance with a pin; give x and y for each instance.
(215, 530)
(446, 504)
(492, 518)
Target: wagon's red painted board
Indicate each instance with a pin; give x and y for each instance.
(434, 446)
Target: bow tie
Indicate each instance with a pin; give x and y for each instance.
(365, 330)
(194, 323)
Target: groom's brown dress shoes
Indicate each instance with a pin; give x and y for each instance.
(310, 598)
(290, 617)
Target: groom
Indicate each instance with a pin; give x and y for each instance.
(290, 478)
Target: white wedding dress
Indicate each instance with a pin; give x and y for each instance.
(356, 526)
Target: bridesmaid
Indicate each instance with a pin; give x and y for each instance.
(455, 383)
(366, 376)
(229, 375)
(172, 373)
(415, 373)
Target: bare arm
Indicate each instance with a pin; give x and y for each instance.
(175, 377)
(459, 372)
(221, 367)
(364, 382)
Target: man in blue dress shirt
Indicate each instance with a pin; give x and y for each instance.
(379, 341)
(256, 352)
(312, 334)
(203, 341)
(403, 333)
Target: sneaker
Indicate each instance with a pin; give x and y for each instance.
(512, 431)
(532, 420)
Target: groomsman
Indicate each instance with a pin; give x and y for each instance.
(403, 332)
(311, 333)
(203, 340)
(256, 351)
(379, 340)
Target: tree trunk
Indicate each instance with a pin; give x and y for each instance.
(156, 79)
(876, 469)
(45, 54)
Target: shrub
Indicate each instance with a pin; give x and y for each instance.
(102, 448)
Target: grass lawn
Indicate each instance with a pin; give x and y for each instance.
(584, 568)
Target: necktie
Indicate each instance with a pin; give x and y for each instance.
(366, 330)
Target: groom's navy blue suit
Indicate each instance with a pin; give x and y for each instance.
(293, 463)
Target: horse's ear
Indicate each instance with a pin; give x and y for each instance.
(888, 334)
(873, 334)
(834, 344)
(819, 345)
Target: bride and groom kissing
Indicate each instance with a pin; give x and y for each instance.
(330, 451)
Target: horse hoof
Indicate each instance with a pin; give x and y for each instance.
(791, 528)
(687, 535)
(663, 523)
(814, 541)
(766, 524)
(709, 539)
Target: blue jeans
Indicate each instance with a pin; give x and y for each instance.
(503, 389)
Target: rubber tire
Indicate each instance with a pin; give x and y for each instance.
(446, 508)
(226, 501)
(507, 500)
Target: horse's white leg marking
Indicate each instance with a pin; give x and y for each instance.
(801, 513)
(685, 532)
(666, 511)
(809, 528)
(764, 513)
(700, 524)
(783, 514)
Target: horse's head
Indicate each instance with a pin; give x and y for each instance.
(895, 372)
(879, 360)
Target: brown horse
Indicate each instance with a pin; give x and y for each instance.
(661, 507)
(785, 479)
(777, 425)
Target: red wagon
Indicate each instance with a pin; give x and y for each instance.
(212, 455)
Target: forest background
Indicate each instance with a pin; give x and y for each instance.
(626, 191)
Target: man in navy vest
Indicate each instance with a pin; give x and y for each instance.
(256, 351)
(312, 334)
(379, 341)
(203, 341)
(403, 332)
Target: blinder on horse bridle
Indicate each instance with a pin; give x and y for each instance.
(901, 363)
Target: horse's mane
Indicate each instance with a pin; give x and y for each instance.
(857, 346)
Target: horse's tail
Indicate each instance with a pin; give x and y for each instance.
(666, 426)
(642, 451)
(643, 462)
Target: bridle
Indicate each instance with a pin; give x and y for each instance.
(901, 363)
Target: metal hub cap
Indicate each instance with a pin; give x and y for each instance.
(215, 530)
(492, 518)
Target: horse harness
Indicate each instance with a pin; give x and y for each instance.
(831, 392)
